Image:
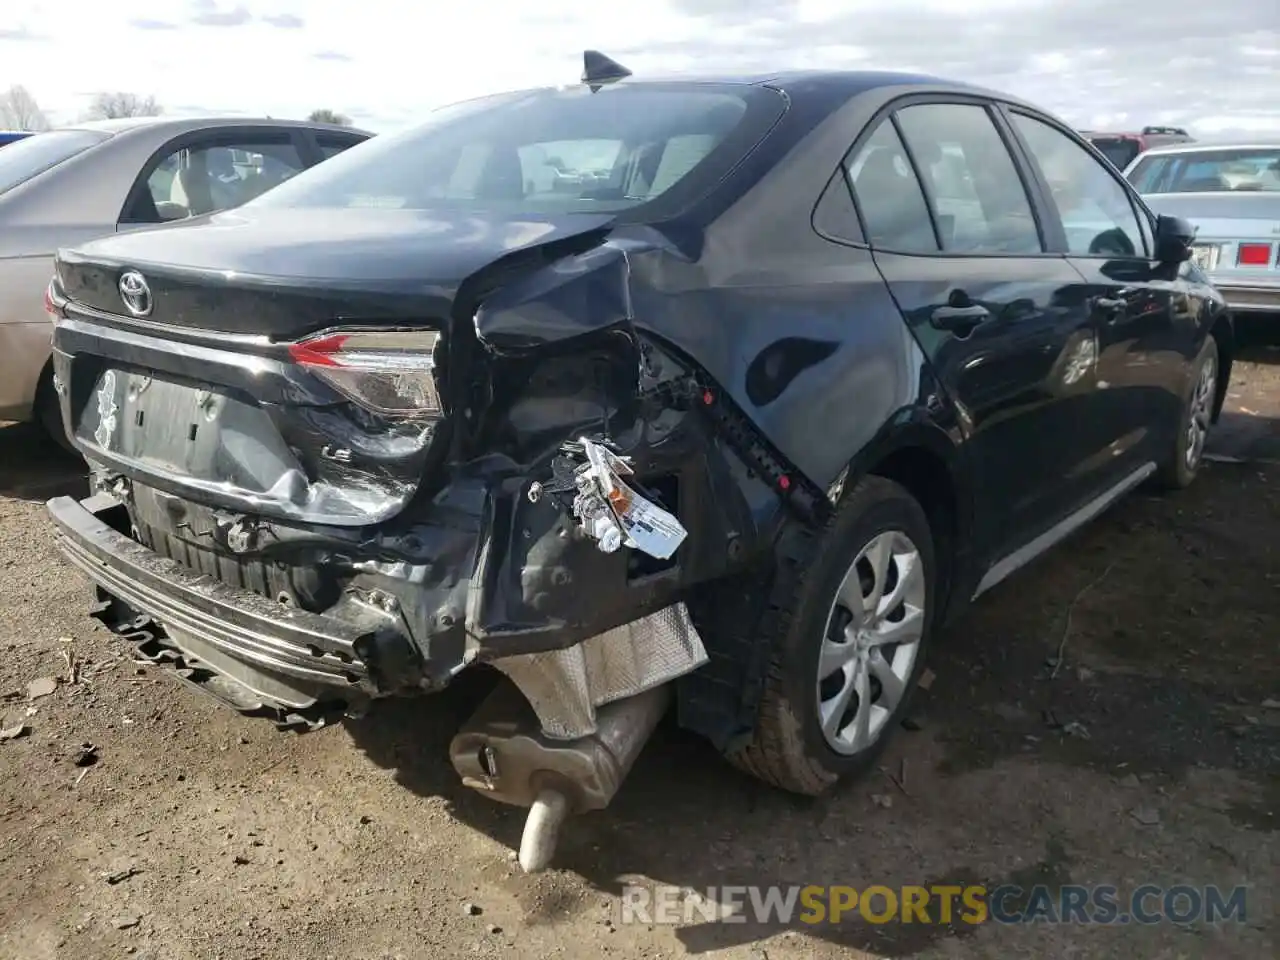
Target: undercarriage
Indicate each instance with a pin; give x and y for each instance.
(558, 739)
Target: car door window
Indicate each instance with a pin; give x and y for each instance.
(204, 178)
(894, 212)
(1097, 212)
(330, 147)
(978, 197)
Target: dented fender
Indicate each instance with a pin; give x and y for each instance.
(817, 385)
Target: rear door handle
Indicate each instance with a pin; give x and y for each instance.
(960, 320)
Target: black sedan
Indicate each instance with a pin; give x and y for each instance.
(730, 391)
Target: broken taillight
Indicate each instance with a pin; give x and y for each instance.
(388, 372)
(52, 302)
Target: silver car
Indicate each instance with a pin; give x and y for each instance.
(1231, 192)
(69, 185)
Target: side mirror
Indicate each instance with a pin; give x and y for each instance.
(1174, 237)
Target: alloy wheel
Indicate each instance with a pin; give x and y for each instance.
(871, 642)
(1201, 411)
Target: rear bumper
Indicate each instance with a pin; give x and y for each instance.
(395, 629)
(1250, 297)
(287, 657)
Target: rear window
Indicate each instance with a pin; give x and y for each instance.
(1210, 171)
(1119, 150)
(24, 159)
(549, 151)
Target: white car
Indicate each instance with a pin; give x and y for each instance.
(1232, 194)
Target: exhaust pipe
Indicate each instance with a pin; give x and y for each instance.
(503, 753)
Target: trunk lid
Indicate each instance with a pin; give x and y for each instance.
(1227, 216)
(201, 398)
(282, 273)
(1237, 235)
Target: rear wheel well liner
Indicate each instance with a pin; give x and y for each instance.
(927, 476)
(1223, 332)
(736, 615)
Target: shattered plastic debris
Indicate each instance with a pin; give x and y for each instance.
(1147, 816)
(614, 514)
(120, 876)
(41, 687)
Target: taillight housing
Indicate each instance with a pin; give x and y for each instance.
(1253, 254)
(53, 303)
(390, 372)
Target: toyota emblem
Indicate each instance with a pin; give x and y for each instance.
(135, 293)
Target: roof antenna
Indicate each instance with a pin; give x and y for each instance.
(597, 70)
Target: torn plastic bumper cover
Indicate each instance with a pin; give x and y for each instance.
(362, 646)
(614, 514)
(289, 657)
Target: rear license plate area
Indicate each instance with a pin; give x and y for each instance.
(1205, 256)
(184, 430)
(137, 416)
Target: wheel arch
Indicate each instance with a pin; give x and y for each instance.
(1222, 327)
(924, 459)
(738, 617)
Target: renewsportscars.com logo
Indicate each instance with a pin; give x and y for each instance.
(936, 904)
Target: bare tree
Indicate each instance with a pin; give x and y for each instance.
(19, 111)
(109, 106)
(325, 115)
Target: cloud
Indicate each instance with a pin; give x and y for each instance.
(20, 35)
(332, 56)
(1096, 64)
(211, 15)
(146, 24)
(1081, 59)
(284, 21)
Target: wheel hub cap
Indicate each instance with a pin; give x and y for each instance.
(1201, 412)
(871, 642)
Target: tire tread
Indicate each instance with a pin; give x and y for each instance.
(773, 755)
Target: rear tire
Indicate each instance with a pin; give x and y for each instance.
(836, 687)
(1183, 462)
(48, 412)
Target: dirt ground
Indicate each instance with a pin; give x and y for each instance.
(1152, 756)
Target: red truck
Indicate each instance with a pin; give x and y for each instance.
(1122, 148)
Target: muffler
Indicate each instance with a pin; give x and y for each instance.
(503, 752)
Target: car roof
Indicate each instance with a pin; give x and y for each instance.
(822, 85)
(1208, 146)
(850, 80)
(1137, 135)
(181, 124)
(846, 82)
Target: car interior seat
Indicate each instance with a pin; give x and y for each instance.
(886, 175)
(190, 187)
(1213, 183)
(680, 155)
(503, 176)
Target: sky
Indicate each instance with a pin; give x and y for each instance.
(1212, 65)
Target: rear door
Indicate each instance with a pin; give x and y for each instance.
(956, 233)
(1143, 311)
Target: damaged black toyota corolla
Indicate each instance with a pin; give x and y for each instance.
(723, 391)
